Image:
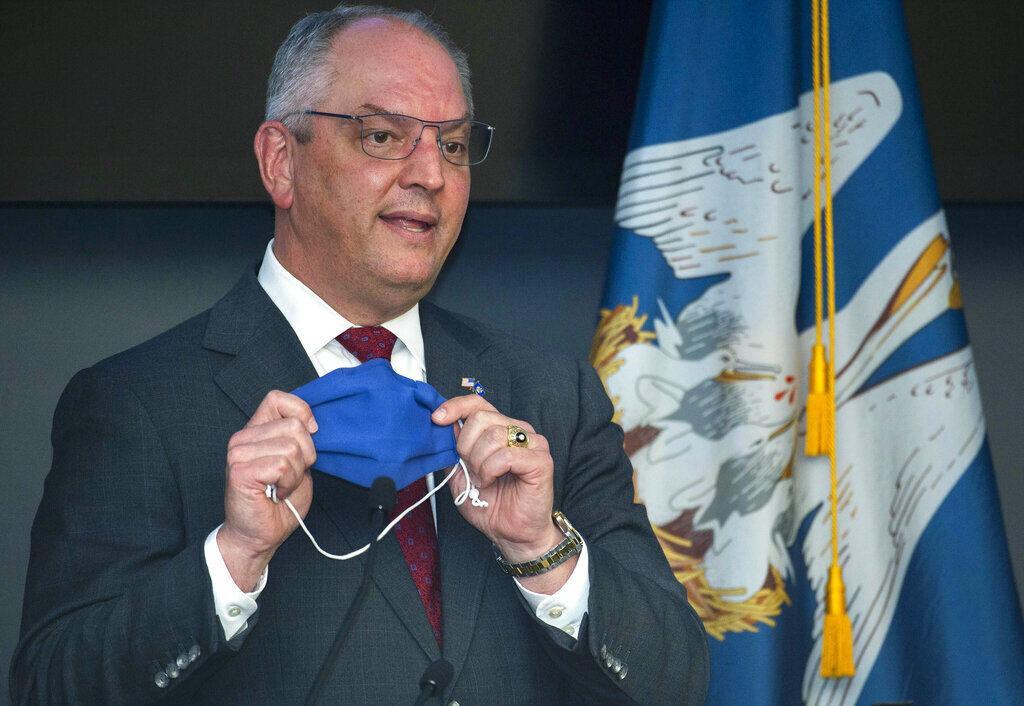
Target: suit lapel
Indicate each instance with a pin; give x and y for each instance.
(452, 353)
(267, 354)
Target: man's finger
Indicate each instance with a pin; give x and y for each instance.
(276, 471)
(291, 449)
(526, 464)
(460, 408)
(477, 425)
(279, 405)
(287, 428)
(492, 426)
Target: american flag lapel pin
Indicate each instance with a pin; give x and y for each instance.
(474, 385)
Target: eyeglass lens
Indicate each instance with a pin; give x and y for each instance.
(463, 142)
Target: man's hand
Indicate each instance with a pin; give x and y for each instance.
(517, 483)
(274, 448)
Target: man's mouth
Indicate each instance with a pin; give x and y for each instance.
(411, 222)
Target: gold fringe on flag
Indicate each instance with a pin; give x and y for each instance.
(837, 637)
(820, 406)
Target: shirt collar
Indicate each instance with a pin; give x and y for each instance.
(315, 323)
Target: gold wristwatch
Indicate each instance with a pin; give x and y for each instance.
(568, 547)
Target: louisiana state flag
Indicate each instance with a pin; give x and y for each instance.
(703, 346)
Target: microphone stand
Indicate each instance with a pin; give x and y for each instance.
(382, 502)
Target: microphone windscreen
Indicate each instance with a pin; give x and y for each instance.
(437, 675)
(382, 495)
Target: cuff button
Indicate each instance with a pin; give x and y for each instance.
(161, 680)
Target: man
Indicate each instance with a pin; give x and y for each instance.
(157, 573)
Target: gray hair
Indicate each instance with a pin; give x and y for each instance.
(300, 76)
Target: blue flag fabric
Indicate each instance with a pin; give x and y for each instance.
(703, 345)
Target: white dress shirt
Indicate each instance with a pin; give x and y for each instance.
(317, 325)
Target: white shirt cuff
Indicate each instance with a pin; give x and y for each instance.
(564, 609)
(233, 605)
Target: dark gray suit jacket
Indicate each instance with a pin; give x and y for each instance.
(118, 589)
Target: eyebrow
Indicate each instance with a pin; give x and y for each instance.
(374, 108)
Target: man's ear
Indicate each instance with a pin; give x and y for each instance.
(274, 154)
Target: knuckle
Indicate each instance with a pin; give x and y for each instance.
(274, 396)
(234, 456)
(504, 457)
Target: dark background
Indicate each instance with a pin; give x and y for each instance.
(129, 198)
(120, 101)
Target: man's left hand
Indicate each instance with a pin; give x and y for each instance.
(516, 482)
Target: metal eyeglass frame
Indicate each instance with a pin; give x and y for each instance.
(423, 124)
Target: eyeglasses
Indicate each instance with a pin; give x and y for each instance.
(393, 136)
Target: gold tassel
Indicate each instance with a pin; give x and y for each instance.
(837, 641)
(820, 406)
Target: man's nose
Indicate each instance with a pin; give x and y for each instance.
(425, 166)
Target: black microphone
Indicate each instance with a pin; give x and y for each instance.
(382, 499)
(434, 680)
(381, 503)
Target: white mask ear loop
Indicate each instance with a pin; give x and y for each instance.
(470, 492)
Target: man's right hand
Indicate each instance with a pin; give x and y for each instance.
(274, 448)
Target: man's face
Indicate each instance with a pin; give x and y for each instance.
(370, 230)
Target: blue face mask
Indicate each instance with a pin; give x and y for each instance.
(374, 422)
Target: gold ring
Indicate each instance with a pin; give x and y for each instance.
(517, 436)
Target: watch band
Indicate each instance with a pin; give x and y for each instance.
(568, 547)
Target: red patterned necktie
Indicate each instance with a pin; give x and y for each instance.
(415, 533)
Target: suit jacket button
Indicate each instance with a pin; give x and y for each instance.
(161, 680)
